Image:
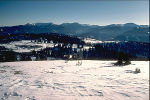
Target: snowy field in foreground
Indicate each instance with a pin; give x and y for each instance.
(57, 80)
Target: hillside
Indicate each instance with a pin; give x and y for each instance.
(60, 80)
(141, 34)
(109, 32)
(25, 47)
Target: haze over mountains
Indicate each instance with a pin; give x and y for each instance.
(113, 32)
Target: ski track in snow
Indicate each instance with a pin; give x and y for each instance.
(58, 80)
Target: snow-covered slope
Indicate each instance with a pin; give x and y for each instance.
(26, 46)
(94, 41)
(61, 80)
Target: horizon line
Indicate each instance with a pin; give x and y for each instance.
(71, 23)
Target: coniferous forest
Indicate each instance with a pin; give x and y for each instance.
(71, 47)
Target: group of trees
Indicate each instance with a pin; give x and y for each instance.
(43, 37)
(64, 49)
(123, 59)
(7, 55)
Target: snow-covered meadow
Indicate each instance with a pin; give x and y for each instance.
(61, 80)
(26, 46)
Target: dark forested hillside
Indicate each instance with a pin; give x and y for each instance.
(66, 47)
(136, 34)
(128, 31)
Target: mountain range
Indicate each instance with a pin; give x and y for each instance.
(113, 32)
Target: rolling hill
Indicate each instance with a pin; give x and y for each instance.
(121, 32)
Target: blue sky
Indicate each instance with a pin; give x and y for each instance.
(97, 12)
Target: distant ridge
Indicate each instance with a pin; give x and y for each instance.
(121, 32)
